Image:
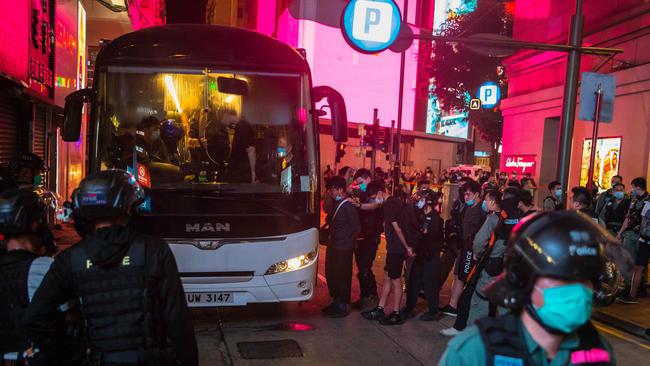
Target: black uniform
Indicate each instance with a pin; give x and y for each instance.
(366, 249)
(14, 299)
(425, 273)
(131, 300)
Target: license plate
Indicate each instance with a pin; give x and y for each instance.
(209, 298)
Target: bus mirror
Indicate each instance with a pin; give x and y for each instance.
(74, 103)
(338, 112)
(232, 86)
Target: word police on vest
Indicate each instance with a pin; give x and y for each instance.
(126, 261)
(374, 21)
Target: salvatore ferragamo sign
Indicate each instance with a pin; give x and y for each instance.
(520, 163)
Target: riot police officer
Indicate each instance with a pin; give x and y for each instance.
(551, 277)
(21, 270)
(131, 297)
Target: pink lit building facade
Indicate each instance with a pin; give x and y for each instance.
(533, 107)
(366, 81)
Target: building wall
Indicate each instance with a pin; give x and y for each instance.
(532, 111)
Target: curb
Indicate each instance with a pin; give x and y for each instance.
(621, 324)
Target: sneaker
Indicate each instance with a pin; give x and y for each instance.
(449, 310)
(338, 312)
(374, 314)
(407, 313)
(450, 332)
(427, 317)
(365, 303)
(393, 319)
(627, 300)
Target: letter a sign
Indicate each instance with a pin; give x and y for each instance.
(371, 26)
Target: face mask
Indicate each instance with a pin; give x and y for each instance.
(420, 204)
(532, 191)
(363, 186)
(619, 195)
(338, 197)
(566, 308)
(633, 193)
(378, 200)
(558, 194)
(484, 206)
(469, 203)
(282, 152)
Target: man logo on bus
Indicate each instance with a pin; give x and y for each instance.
(372, 21)
(207, 227)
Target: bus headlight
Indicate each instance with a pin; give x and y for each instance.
(293, 264)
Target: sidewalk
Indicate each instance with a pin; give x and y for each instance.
(631, 318)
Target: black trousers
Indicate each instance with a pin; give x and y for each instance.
(464, 304)
(425, 275)
(338, 272)
(364, 255)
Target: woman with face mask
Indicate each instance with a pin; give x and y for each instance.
(550, 280)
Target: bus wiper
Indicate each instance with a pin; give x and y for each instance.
(226, 199)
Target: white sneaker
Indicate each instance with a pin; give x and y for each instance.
(450, 332)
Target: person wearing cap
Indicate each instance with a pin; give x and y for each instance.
(22, 270)
(131, 298)
(552, 276)
(151, 141)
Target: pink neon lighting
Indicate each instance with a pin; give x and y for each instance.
(14, 39)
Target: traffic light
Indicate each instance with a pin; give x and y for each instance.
(369, 138)
(385, 143)
(340, 152)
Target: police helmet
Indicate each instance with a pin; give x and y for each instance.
(19, 210)
(107, 194)
(564, 245)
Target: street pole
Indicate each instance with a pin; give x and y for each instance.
(594, 140)
(569, 101)
(375, 135)
(400, 106)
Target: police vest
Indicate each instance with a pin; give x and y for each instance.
(505, 345)
(14, 300)
(116, 304)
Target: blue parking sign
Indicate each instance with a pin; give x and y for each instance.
(371, 26)
(490, 94)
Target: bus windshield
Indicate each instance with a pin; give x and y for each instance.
(207, 130)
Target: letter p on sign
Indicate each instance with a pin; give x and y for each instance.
(372, 21)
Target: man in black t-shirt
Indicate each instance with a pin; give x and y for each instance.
(397, 249)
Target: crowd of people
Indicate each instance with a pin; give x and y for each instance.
(420, 245)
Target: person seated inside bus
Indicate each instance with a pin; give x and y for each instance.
(280, 164)
(150, 141)
(232, 140)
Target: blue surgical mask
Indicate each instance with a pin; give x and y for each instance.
(619, 195)
(633, 193)
(338, 197)
(558, 194)
(282, 152)
(379, 200)
(484, 206)
(469, 203)
(420, 204)
(566, 308)
(363, 186)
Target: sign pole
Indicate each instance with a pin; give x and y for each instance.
(594, 140)
(569, 102)
(400, 106)
(375, 133)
